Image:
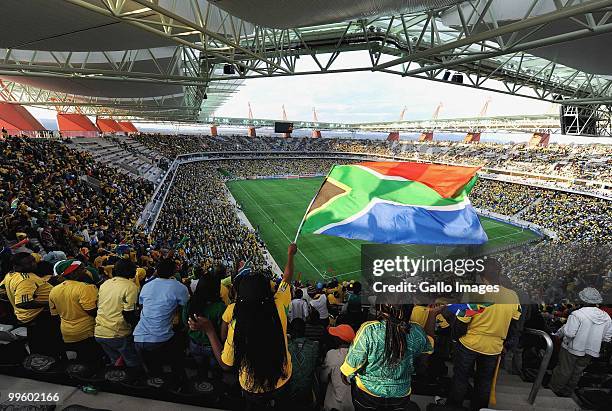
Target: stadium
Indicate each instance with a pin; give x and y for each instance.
(164, 248)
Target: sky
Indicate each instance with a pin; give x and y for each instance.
(367, 96)
(363, 97)
(359, 97)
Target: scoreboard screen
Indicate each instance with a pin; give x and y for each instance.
(283, 127)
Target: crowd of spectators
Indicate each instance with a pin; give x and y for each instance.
(198, 213)
(171, 146)
(274, 342)
(274, 167)
(197, 295)
(63, 198)
(576, 217)
(501, 197)
(587, 161)
(532, 268)
(573, 217)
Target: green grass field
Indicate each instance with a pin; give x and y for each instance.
(276, 207)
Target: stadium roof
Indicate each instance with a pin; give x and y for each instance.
(16, 118)
(74, 122)
(108, 125)
(127, 126)
(180, 61)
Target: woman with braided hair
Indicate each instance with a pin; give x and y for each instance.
(381, 358)
(256, 341)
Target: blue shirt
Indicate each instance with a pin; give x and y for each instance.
(159, 299)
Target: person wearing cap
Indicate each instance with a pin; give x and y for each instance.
(582, 336)
(29, 296)
(337, 394)
(74, 300)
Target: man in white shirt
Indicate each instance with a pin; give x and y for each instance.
(582, 336)
(298, 307)
(318, 301)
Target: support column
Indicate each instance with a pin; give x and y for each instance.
(393, 136)
(426, 136)
(472, 137)
(539, 139)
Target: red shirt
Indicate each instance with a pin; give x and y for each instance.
(608, 310)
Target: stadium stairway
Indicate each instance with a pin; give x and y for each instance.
(132, 161)
(511, 395)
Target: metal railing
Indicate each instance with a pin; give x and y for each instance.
(149, 215)
(543, 366)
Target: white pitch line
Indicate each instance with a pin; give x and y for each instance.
(507, 235)
(281, 204)
(278, 228)
(353, 245)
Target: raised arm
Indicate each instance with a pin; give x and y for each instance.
(430, 325)
(288, 274)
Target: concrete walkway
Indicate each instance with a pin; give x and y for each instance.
(69, 395)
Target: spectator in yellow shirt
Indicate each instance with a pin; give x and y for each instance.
(482, 340)
(334, 298)
(257, 337)
(75, 302)
(116, 315)
(29, 296)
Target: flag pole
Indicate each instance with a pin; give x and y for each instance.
(304, 217)
(310, 205)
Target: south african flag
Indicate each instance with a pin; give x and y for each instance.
(467, 310)
(397, 203)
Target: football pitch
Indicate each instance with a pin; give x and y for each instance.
(275, 207)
